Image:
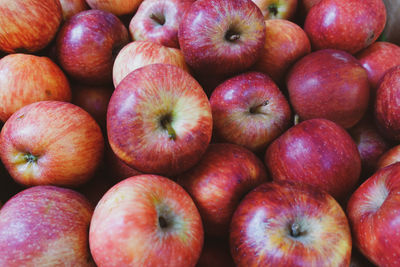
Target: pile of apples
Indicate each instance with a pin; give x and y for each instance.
(199, 133)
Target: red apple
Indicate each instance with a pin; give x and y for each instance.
(88, 43)
(146, 220)
(25, 79)
(282, 50)
(374, 216)
(117, 7)
(45, 226)
(317, 152)
(218, 182)
(159, 120)
(289, 224)
(28, 25)
(141, 53)
(389, 157)
(51, 142)
(329, 84)
(349, 25)
(308, 4)
(221, 37)
(387, 109)
(277, 9)
(249, 110)
(158, 21)
(72, 7)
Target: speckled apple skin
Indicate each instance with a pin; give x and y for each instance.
(45, 226)
(389, 157)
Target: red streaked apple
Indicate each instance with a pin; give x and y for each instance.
(282, 50)
(158, 21)
(88, 43)
(387, 109)
(277, 9)
(374, 215)
(25, 79)
(221, 37)
(249, 110)
(329, 84)
(117, 7)
(72, 7)
(141, 53)
(317, 152)
(28, 25)
(146, 220)
(219, 181)
(349, 25)
(290, 224)
(159, 120)
(389, 157)
(45, 226)
(51, 142)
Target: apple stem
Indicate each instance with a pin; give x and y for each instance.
(256, 109)
(166, 123)
(295, 230)
(30, 158)
(232, 35)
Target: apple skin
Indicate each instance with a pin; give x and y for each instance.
(345, 25)
(34, 24)
(51, 142)
(263, 228)
(25, 79)
(159, 120)
(317, 152)
(389, 157)
(285, 43)
(141, 53)
(329, 84)
(146, 220)
(373, 212)
(158, 21)
(88, 43)
(45, 226)
(72, 7)
(218, 182)
(277, 9)
(387, 110)
(117, 7)
(221, 37)
(249, 110)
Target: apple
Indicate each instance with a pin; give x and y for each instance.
(290, 224)
(72, 7)
(387, 110)
(277, 9)
(249, 110)
(329, 84)
(281, 51)
(51, 142)
(374, 214)
(317, 152)
(45, 226)
(215, 253)
(88, 43)
(159, 120)
(377, 59)
(25, 79)
(28, 25)
(392, 29)
(218, 182)
(345, 25)
(391, 156)
(221, 37)
(146, 220)
(158, 21)
(93, 99)
(117, 7)
(141, 53)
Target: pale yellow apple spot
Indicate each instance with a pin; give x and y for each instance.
(374, 197)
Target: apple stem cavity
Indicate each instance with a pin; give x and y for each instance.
(232, 35)
(162, 222)
(30, 158)
(166, 124)
(273, 9)
(158, 18)
(256, 109)
(295, 230)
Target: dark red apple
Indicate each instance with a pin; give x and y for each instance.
(28, 25)
(219, 181)
(317, 152)
(72, 7)
(45, 226)
(88, 43)
(329, 84)
(221, 37)
(249, 110)
(146, 220)
(215, 253)
(290, 224)
(349, 25)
